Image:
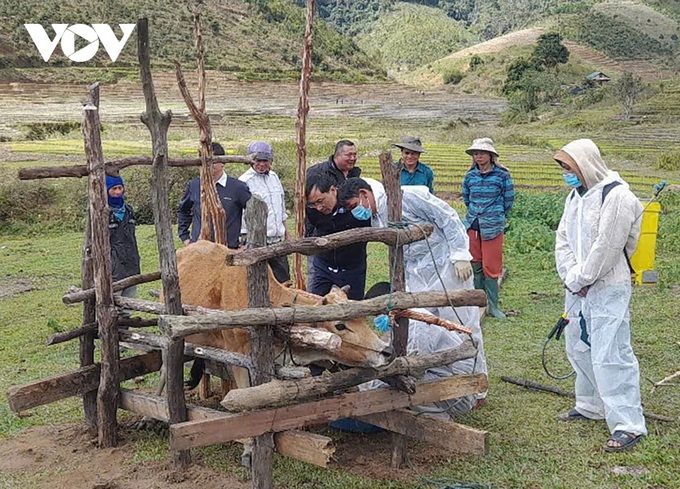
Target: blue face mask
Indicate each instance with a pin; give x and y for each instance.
(571, 179)
(382, 323)
(362, 213)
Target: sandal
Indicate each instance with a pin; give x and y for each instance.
(625, 440)
(572, 415)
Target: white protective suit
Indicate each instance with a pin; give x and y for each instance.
(589, 248)
(424, 339)
(423, 259)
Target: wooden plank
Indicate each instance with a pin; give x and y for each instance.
(426, 427)
(308, 447)
(202, 433)
(301, 445)
(77, 383)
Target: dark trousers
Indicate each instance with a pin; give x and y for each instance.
(325, 277)
(280, 268)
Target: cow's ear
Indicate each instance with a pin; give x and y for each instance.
(345, 289)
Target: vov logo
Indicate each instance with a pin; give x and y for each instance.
(67, 35)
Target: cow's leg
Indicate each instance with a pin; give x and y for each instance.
(241, 378)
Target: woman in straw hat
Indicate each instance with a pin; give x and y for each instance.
(488, 195)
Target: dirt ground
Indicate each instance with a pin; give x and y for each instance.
(66, 456)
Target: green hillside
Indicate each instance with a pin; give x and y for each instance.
(624, 29)
(254, 39)
(411, 35)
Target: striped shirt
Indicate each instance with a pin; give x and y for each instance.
(488, 198)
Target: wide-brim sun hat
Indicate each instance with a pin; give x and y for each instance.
(482, 144)
(412, 144)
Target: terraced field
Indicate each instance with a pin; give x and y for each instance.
(532, 168)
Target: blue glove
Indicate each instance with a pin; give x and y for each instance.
(382, 323)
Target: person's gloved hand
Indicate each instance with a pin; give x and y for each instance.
(463, 270)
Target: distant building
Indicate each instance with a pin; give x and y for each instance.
(597, 79)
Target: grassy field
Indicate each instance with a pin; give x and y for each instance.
(39, 260)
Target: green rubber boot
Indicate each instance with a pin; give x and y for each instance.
(478, 274)
(491, 288)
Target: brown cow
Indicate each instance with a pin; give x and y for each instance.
(205, 280)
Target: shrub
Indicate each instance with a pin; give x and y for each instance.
(544, 208)
(669, 161)
(37, 131)
(453, 77)
(475, 61)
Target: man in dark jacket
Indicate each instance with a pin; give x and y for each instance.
(340, 266)
(340, 166)
(233, 195)
(122, 223)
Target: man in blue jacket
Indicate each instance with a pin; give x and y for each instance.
(233, 195)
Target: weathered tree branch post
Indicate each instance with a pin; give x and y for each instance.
(108, 393)
(300, 137)
(262, 342)
(212, 211)
(391, 180)
(86, 342)
(158, 124)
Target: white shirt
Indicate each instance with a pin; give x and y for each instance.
(268, 188)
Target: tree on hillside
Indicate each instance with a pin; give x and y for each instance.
(549, 51)
(627, 90)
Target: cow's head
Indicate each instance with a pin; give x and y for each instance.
(360, 346)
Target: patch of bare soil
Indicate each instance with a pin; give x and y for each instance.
(66, 457)
(13, 287)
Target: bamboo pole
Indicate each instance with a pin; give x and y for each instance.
(300, 139)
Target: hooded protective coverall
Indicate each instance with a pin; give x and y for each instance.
(424, 339)
(427, 260)
(589, 252)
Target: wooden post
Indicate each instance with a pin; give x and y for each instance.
(211, 208)
(108, 393)
(300, 136)
(158, 124)
(391, 180)
(86, 346)
(262, 339)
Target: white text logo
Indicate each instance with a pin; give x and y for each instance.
(67, 35)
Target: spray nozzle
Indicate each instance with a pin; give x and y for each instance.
(658, 187)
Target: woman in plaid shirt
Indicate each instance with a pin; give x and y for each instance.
(488, 195)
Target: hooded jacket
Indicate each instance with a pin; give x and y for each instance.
(593, 232)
